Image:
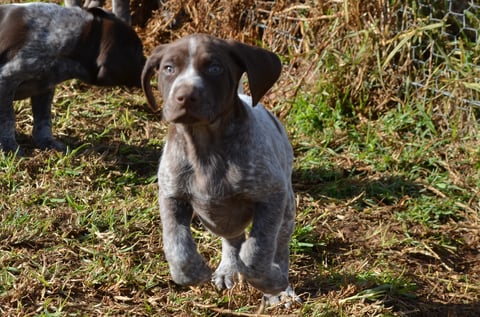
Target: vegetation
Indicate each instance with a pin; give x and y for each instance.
(387, 178)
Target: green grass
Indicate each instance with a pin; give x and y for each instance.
(386, 208)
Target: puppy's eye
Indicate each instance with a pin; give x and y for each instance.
(169, 69)
(214, 69)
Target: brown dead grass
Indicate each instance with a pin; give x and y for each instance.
(355, 36)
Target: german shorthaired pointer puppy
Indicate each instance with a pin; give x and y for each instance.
(227, 160)
(43, 44)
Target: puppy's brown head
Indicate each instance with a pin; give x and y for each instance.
(198, 76)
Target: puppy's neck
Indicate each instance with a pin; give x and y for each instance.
(202, 140)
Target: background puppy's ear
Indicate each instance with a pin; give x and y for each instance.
(263, 67)
(153, 62)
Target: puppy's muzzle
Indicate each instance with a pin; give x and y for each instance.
(185, 106)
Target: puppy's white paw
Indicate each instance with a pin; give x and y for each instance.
(224, 277)
(286, 297)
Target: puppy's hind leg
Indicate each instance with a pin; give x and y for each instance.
(187, 267)
(42, 122)
(224, 276)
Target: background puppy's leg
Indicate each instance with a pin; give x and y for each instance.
(224, 275)
(187, 267)
(121, 9)
(86, 3)
(259, 250)
(73, 3)
(7, 121)
(42, 122)
(93, 3)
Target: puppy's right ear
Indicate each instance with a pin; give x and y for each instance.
(262, 66)
(153, 62)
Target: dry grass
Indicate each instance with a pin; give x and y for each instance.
(388, 196)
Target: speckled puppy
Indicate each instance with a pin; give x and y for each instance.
(227, 160)
(44, 44)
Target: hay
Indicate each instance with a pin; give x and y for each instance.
(304, 32)
(356, 52)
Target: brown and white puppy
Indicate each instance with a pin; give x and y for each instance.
(227, 160)
(44, 44)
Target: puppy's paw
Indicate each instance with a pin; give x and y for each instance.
(286, 297)
(261, 274)
(225, 276)
(270, 280)
(50, 144)
(191, 273)
(10, 146)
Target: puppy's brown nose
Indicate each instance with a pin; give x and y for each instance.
(186, 97)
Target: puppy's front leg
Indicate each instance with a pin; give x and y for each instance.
(187, 267)
(42, 122)
(257, 254)
(282, 254)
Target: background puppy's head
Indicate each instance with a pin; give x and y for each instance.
(120, 60)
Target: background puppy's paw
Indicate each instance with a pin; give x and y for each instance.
(10, 146)
(50, 144)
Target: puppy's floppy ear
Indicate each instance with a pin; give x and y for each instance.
(151, 65)
(263, 67)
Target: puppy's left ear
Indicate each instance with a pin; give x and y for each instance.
(263, 67)
(152, 63)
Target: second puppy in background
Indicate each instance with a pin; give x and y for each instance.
(227, 160)
(44, 44)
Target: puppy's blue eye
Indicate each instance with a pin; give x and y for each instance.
(169, 69)
(214, 69)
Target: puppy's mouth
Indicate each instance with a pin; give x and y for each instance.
(183, 116)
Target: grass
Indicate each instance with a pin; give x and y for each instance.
(387, 189)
